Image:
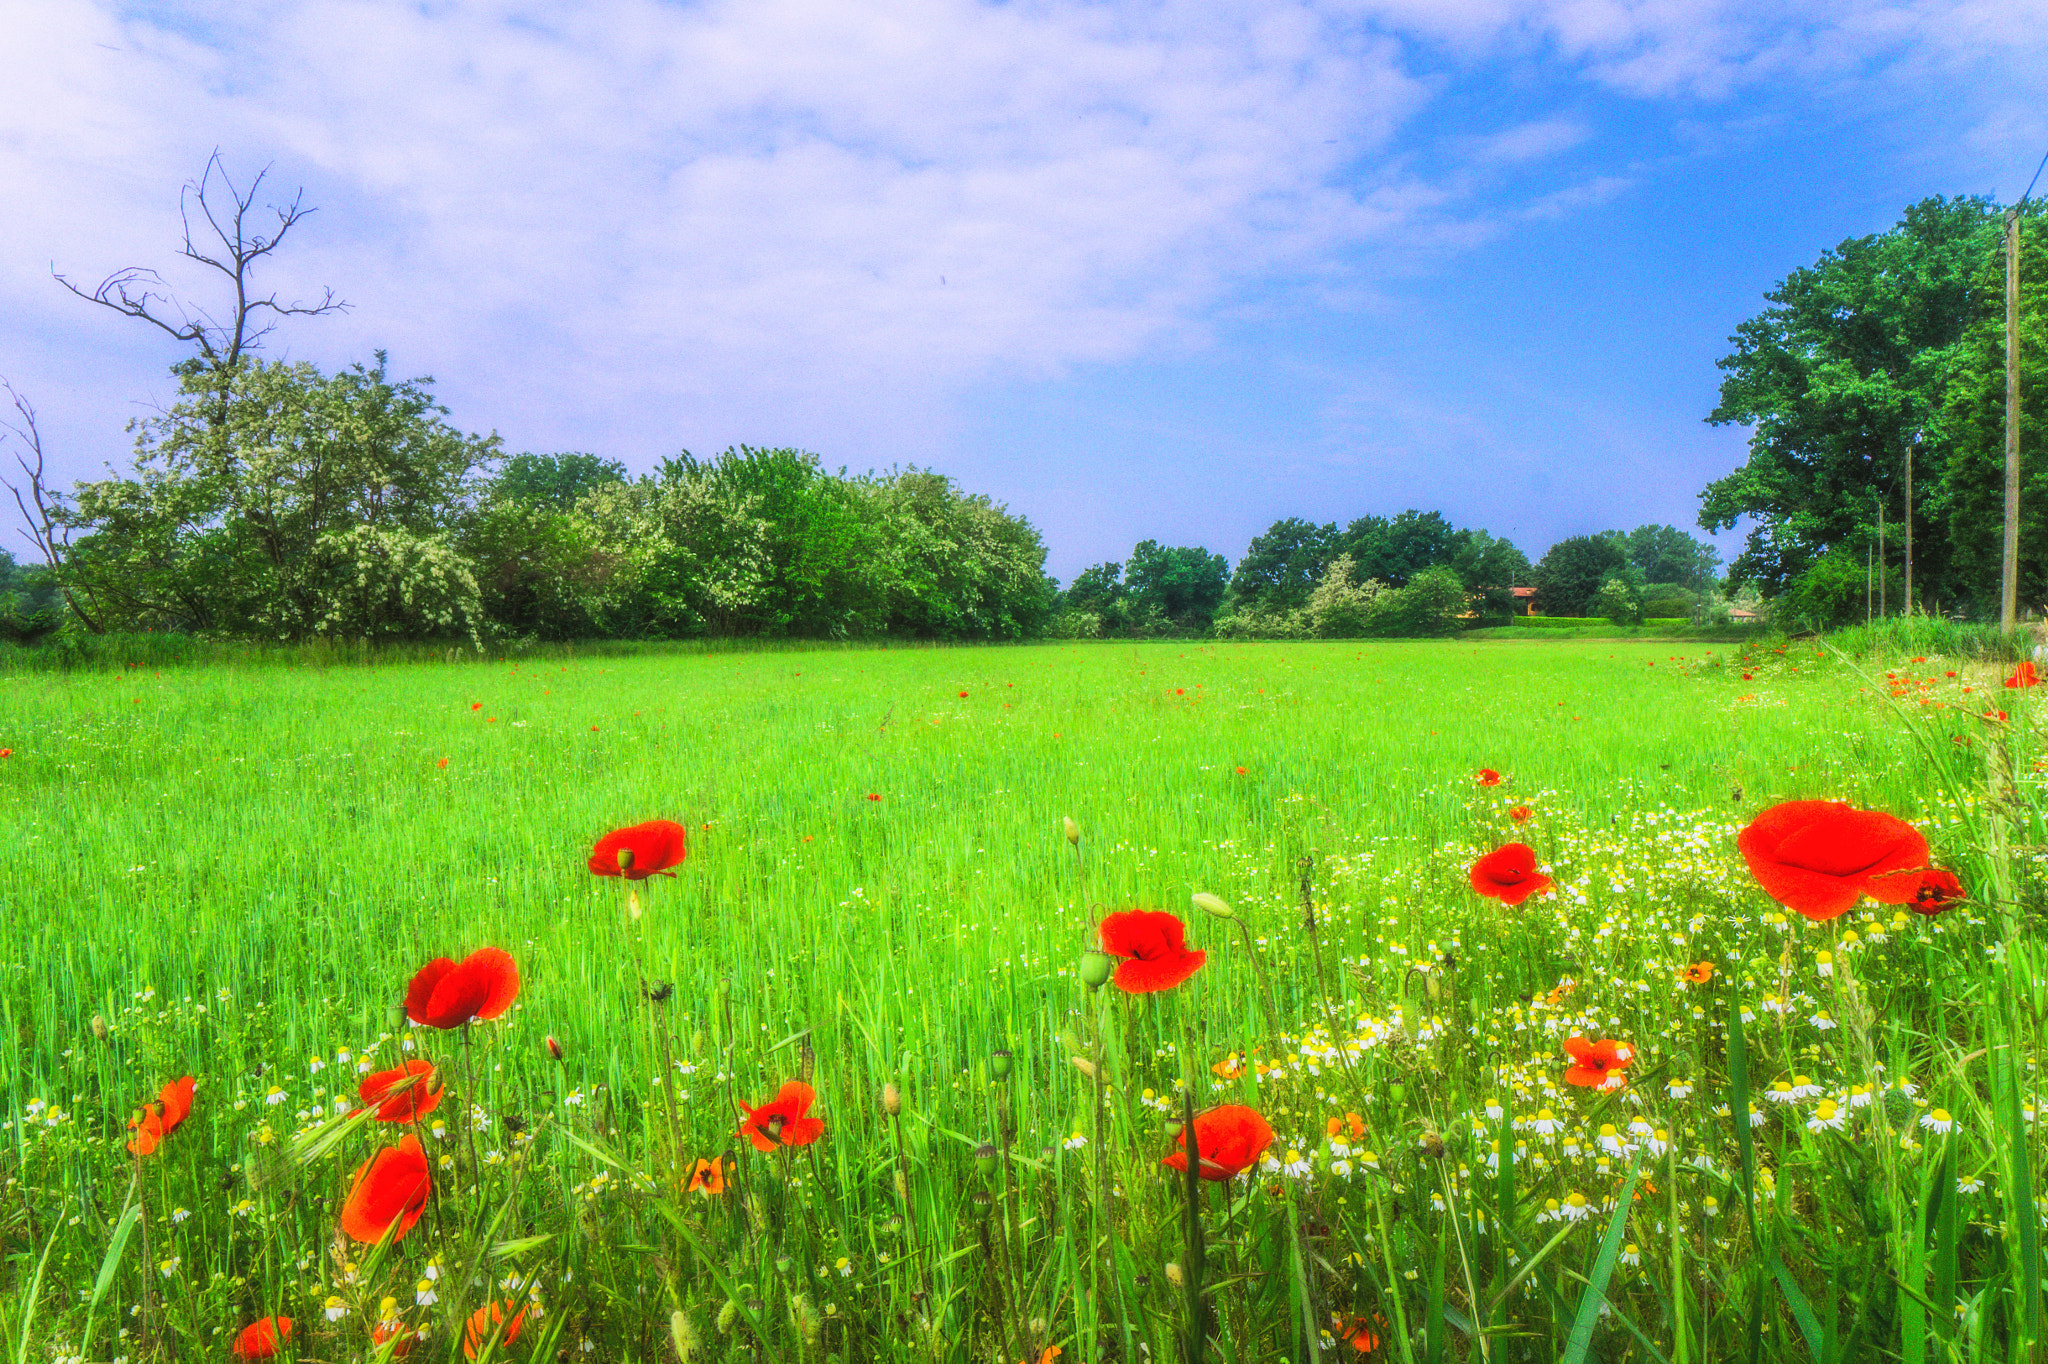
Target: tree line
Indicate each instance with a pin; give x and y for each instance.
(1412, 574)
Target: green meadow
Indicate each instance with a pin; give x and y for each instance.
(233, 873)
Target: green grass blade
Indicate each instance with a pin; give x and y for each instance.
(1802, 1310)
(1590, 1302)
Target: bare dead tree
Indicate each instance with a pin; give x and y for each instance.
(221, 337)
(41, 511)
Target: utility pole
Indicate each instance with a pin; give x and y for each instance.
(1912, 448)
(2009, 585)
(1882, 568)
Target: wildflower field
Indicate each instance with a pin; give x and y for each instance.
(1250, 1002)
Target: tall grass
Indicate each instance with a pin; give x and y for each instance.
(233, 873)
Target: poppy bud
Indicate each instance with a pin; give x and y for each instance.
(554, 1048)
(1085, 1066)
(1173, 1274)
(682, 1334)
(99, 1028)
(999, 1063)
(1073, 830)
(632, 903)
(1212, 904)
(902, 1188)
(727, 1315)
(1173, 1129)
(432, 1084)
(1096, 968)
(892, 1100)
(1397, 1091)
(985, 1160)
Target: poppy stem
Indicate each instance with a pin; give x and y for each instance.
(469, 1107)
(1192, 1252)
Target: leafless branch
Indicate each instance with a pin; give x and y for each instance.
(52, 538)
(141, 293)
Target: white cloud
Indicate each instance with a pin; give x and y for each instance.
(623, 224)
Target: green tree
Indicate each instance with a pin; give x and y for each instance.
(1569, 576)
(1282, 566)
(1666, 554)
(315, 487)
(1182, 585)
(554, 482)
(1395, 550)
(1854, 354)
(1490, 567)
(1973, 428)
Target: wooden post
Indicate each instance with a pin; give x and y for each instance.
(2009, 584)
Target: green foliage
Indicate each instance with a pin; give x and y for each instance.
(1667, 555)
(1569, 576)
(1883, 336)
(1835, 590)
(554, 482)
(1620, 598)
(257, 511)
(1973, 422)
(1281, 567)
(1161, 590)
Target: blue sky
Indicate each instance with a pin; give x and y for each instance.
(1139, 270)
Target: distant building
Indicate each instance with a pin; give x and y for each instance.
(1525, 600)
(1740, 615)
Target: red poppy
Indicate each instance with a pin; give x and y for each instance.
(447, 995)
(1360, 1334)
(390, 1190)
(1819, 857)
(642, 851)
(873, 796)
(6, 752)
(1486, 776)
(1508, 874)
(963, 694)
(402, 1095)
(2024, 676)
(782, 1119)
(476, 705)
(398, 1332)
(1232, 1139)
(707, 1177)
(259, 1339)
(1520, 813)
(1597, 1065)
(1154, 942)
(159, 1119)
(442, 763)
(1939, 890)
(481, 1323)
(1240, 772)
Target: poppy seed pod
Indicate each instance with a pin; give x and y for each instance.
(892, 1099)
(999, 1063)
(1096, 968)
(1073, 830)
(982, 1202)
(625, 856)
(985, 1160)
(1212, 904)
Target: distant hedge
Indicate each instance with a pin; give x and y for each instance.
(1580, 622)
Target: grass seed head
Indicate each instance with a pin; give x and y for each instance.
(892, 1100)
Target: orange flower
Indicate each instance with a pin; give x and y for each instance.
(1230, 1067)
(390, 1190)
(783, 1119)
(481, 1323)
(402, 1095)
(707, 1177)
(259, 1340)
(1486, 776)
(1699, 973)
(1335, 1127)
(159, 1119)
(1520, 814)
(2023, 676)
(1597, 1065)
(1359, 1333)
(1232, 1139)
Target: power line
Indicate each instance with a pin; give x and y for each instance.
(2037, 176)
